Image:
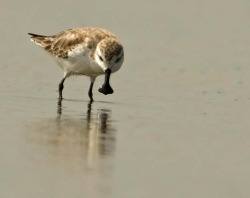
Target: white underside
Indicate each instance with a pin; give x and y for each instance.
(79, 63)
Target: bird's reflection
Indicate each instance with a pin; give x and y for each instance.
(89, 134)
(97, 130)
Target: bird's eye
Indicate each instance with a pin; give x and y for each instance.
(117, 60)
(100, 58)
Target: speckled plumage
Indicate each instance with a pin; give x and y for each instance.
(65, 41)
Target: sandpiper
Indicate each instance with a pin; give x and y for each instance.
(84, 51)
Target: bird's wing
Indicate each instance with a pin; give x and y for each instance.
(63, 42)
(59, 44)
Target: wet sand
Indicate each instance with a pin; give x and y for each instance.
(177, 124)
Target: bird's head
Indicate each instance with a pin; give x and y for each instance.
(109, 54)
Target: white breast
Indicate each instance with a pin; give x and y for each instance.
(79, 62)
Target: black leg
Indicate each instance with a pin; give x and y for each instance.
(92, 81)
(61, 88)
(90, 92)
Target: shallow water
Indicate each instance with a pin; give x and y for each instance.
(177, 124)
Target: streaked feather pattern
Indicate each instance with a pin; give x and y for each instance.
(65, 41)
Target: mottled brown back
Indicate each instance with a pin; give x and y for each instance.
(65, 41)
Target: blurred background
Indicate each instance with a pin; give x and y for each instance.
(177, 124)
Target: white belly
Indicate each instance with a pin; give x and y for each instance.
(79, 63)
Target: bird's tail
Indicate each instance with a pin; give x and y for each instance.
(35, 35)
(43, 41)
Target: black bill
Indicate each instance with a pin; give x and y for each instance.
(106, 88)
